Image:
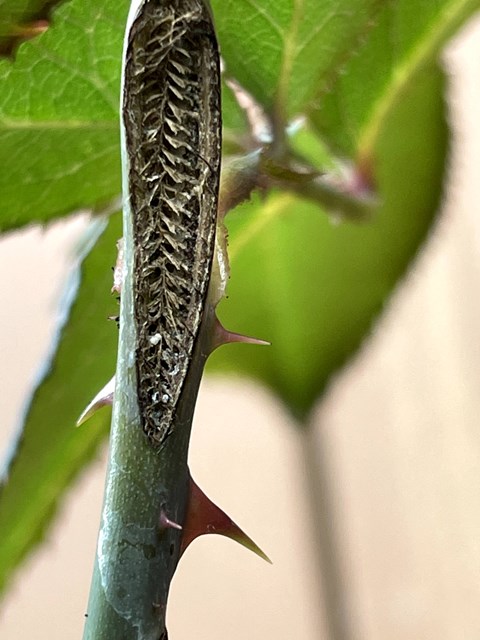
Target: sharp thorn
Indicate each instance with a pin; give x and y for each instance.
(203, 516)
(223, 336)
(31, 29)
(166, 523)
(102, 399)
(259, 122)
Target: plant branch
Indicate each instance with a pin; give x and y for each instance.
(342, 197)
(167, 319)
(136, 555)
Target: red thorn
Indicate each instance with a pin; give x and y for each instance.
(203, 516)
(166, 523)
(223, 336)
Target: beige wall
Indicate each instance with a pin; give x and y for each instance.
(400, 431)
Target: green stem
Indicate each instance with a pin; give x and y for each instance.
(334, 194)
(242, 174)
(335, 199)
(136, 558)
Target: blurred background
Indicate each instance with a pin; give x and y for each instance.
(396, 449)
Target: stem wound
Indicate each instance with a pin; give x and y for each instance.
(172, 121)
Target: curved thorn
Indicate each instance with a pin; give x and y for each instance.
(260, 124)
(102, 399)
(166, 523)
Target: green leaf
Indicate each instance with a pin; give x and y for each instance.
(313, 288)
(52, 451)
(59, 126)
(282, 51)
(59, 133)
(409, 35)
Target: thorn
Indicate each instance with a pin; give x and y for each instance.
(258, 120)
(166, 523)
(223, 336)
(30, 30)
(102, 399)
(203, 516)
